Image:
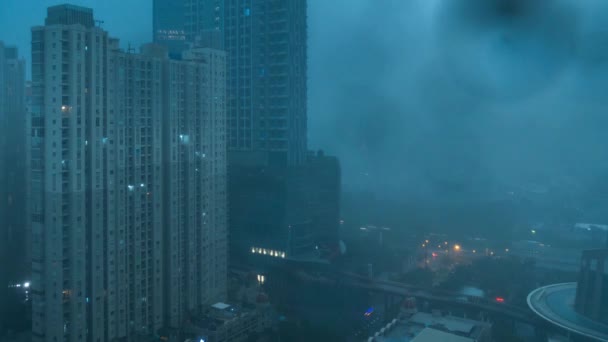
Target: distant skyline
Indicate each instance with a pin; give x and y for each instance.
(131, 22)
(412, 95)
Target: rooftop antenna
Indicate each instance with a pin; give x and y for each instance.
(99, 23)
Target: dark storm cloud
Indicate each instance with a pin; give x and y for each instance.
(506, 49)
(421, 96)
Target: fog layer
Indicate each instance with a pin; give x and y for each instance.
(428, 98)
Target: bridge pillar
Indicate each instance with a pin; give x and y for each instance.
(386, 305)
(392, 302)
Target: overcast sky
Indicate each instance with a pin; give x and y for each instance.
(416, 94)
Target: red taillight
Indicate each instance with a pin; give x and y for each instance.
(500, 299)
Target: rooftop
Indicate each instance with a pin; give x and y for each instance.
(454, 324)
(70, 15)
(433, 335)
(220, 306)
(218, 315)
(555, 303)
(426, 327)
(70, 7)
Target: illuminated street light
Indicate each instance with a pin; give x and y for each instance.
(457, 247)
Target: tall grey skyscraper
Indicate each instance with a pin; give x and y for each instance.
(133, 152)
(194, 132)
(179, 23)
(203, 16)
(168, 24)
(69, 187)
(266, 42)
(113, 224)
(266, 105)
(266, 46)
(13, 182)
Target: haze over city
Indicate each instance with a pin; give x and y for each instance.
(406, 107)
(286, 170)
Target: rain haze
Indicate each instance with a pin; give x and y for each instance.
(425, 93)
(429, 93)
(303, 170)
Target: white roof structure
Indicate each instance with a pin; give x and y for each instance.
(220, 306)
(454, 324)
(433, 335)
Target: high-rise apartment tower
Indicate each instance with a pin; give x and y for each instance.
(13, 181)
(111, 227)
(266, 42)
(266, 46)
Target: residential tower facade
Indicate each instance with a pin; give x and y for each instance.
(13, 181)
(266, 42)
(266, 46)
(114, 225)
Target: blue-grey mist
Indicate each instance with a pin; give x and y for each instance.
(461, 99)
(434, 98)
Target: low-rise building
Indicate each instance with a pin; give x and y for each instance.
(433, 335)
(223, 322)
(427, 327)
